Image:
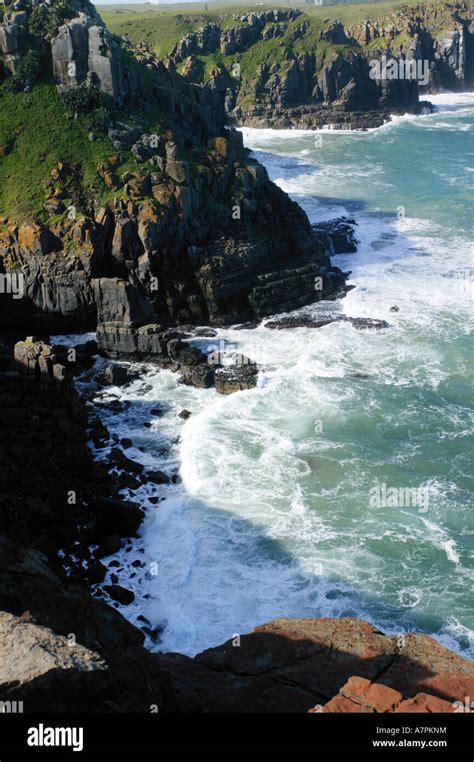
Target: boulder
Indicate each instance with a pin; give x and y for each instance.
(201, 376)
(120, 594)
(337, 235)
(46, 671)
(95, 572)
(234, 378)
(120, 516)
(117, 375)
(157, 477)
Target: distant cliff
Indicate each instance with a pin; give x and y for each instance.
(286, 68)
(124, 198)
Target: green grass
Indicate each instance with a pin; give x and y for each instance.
(162, 28)
(355, 13)
(42, 136)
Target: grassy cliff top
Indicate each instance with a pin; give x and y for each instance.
(38, 133)
(162, 27)
(40, 130)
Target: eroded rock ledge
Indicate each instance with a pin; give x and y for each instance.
(321, 665)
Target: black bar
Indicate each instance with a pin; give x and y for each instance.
(441, 734)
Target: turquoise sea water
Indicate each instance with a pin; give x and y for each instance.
(276, 514)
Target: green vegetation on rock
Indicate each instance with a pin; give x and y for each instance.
(39, 133)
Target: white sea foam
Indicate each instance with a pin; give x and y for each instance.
(272, 517)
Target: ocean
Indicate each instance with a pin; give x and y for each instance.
(342, 484)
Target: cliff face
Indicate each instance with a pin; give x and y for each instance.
(62, 649)
(284, 68)
(180, 221)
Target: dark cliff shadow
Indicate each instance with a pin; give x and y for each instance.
(298, 666)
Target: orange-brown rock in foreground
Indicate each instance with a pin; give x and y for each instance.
(321, 665)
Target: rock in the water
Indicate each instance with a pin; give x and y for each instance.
(234, 378)
(337, 235)
(120, 594)
(308, 321)
(368, 324)
(95, 572)
(117, 375)
(201, 376)
(121, 516)
(119, 459)
(157, 477)
(300, 321)
(109, 546)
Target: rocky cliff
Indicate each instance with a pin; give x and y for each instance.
(283, 68)
(174, 224)
(127, 205)
(64, 649)
(61, 649)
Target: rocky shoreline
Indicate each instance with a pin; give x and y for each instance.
(191, 232)
(317, 118)
(66, 650)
